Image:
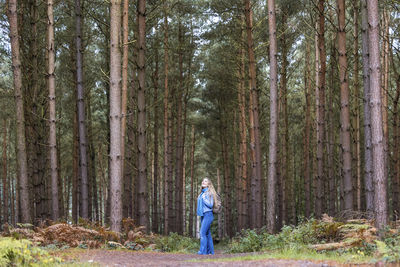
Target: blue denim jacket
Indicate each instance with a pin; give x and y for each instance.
(208, 202)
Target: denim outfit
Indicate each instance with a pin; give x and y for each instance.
(205, 204)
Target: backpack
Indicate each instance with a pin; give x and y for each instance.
(217, 208)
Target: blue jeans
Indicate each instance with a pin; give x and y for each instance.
(206, 242)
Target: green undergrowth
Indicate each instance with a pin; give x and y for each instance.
(177, 243)
(327, 240)
(298, 255)
(319, 240)
(22, 253)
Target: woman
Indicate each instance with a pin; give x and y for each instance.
(205, 203)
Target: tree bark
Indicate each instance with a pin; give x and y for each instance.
(307, 128)
(242, 183)
(142, 150)
(344, 109)
(179, 137)
(130, 152)
(75, 169)
(368, 177)
(320, 105)
(81, 112)
(155, 218)
(330, 130)
(219, 215)
(115, 117)
(92, 181)
(6, 192)
(191, 202)
(52, 111)
(14, 199)
(396, 137)
(19, 105)
(255, 185)
(378, 162)
(385, 83)
(227, 177)
(167, 201)
(124, 88)
(284, 173)
(357, 147)
(273, 132)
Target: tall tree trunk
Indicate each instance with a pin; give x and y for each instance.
(385, 83)
(284, 173)
(242, 183)
(191, 202)
(90, 163)
(183, 148)
(130, 154)
(184, 194)
(227, 228)
(320, 104)
(62, 182)
(219, 215)
(315, 128)
(35, 119)
(155, 216)
(124, 88)
(167, 202)
(273, 132)
(75, 169)
(103, 188)
(14, 199)
(93, 197)
(115, 117)
(15, 188)
(179, 137)
(52, 111)
(171, 189)
(227, 177)
(81, 112)
(368, 178)
(142, 165)
(378, 162)
(19, 105)
(357, 151)
(307, 128)
(344, 108)
(396, 137)
(255, 185)
(330, 129)
(5, 205)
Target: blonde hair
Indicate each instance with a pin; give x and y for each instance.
(211, 189)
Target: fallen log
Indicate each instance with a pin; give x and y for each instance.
(348, 243)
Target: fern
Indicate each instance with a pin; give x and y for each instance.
(22, 253)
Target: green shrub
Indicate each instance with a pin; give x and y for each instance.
(290, 237)
(247, 241)
(177, 243)
(23, 253)
(389, 248)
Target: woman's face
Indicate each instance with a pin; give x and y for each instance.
(204, 183)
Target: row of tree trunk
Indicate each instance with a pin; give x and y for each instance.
(128, 187)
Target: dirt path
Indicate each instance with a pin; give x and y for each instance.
(127, 258)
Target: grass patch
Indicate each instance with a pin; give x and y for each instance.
(297, 255)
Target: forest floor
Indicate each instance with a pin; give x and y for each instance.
(116, 258)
